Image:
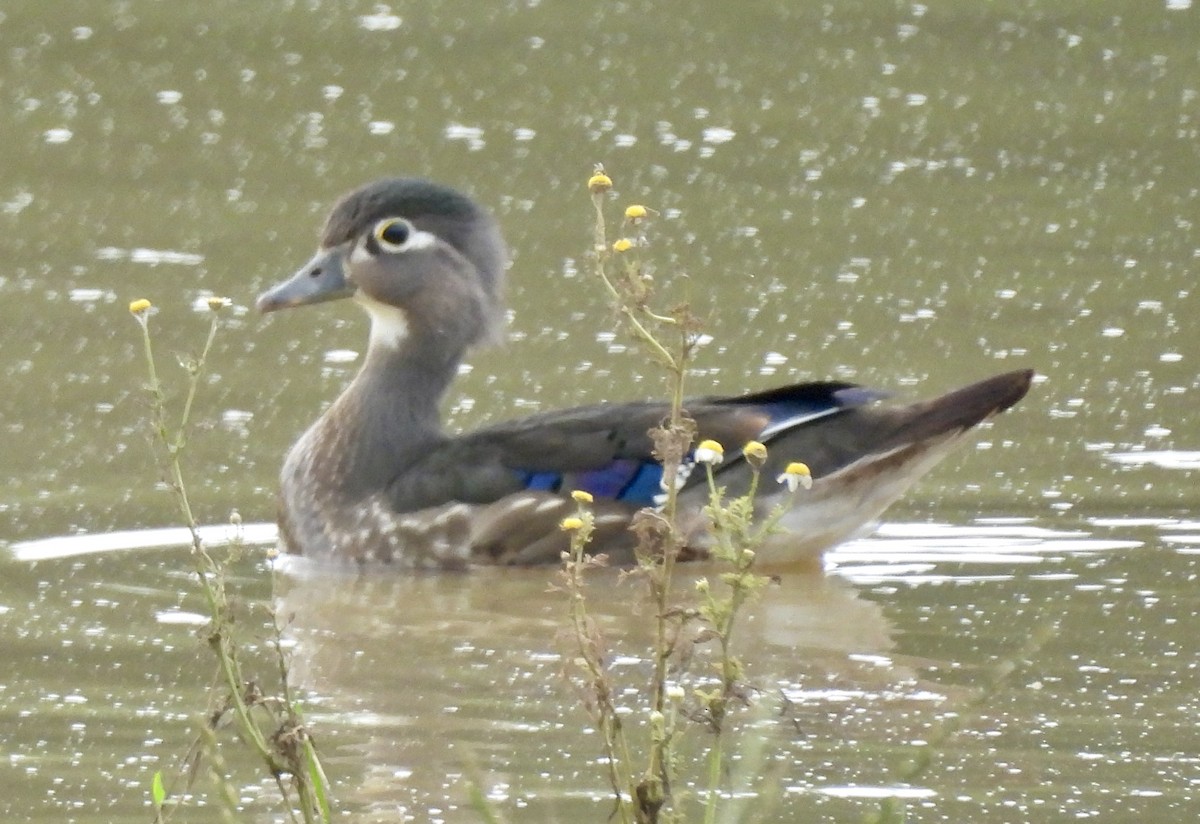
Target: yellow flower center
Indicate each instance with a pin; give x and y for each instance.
(599, 183)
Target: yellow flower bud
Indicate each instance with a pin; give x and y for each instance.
(570, 524)
(623, 245)
(582, 496)
(755, 451)
(140, 305)
(599, 183)
(635, 212)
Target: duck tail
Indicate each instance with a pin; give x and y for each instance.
(961, 409)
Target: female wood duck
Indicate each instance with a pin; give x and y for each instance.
(377, 480)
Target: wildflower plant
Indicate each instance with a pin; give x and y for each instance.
(271, 726)
(669, 338)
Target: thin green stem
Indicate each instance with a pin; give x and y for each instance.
(640, 332)
(204, 564)
(715, 761)
(731, 531)
(307, 778)
(615, 746)
(195, 369)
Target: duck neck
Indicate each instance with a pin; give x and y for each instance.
(388, 416)
(403, 386)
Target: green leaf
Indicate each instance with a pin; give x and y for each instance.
(157, 792)
(316, 776)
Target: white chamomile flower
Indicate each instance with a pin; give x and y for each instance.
(795, 476)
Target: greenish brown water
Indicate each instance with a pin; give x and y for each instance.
(906, 195)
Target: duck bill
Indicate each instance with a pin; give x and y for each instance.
(322, 278)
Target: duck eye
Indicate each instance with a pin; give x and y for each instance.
(392, 234)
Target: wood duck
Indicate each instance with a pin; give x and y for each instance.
(377, 480)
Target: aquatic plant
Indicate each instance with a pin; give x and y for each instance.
(669, 338)
(271, 726)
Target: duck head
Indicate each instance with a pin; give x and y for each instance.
(423, 260)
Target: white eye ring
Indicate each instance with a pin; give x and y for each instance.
(393, 234)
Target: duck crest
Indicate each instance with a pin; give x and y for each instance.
(375, 481)
(395, 197)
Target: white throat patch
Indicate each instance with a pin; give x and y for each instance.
(389, 325)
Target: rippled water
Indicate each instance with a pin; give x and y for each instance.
(906, 195)
(418, 683)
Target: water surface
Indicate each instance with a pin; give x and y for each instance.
(905, 195)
